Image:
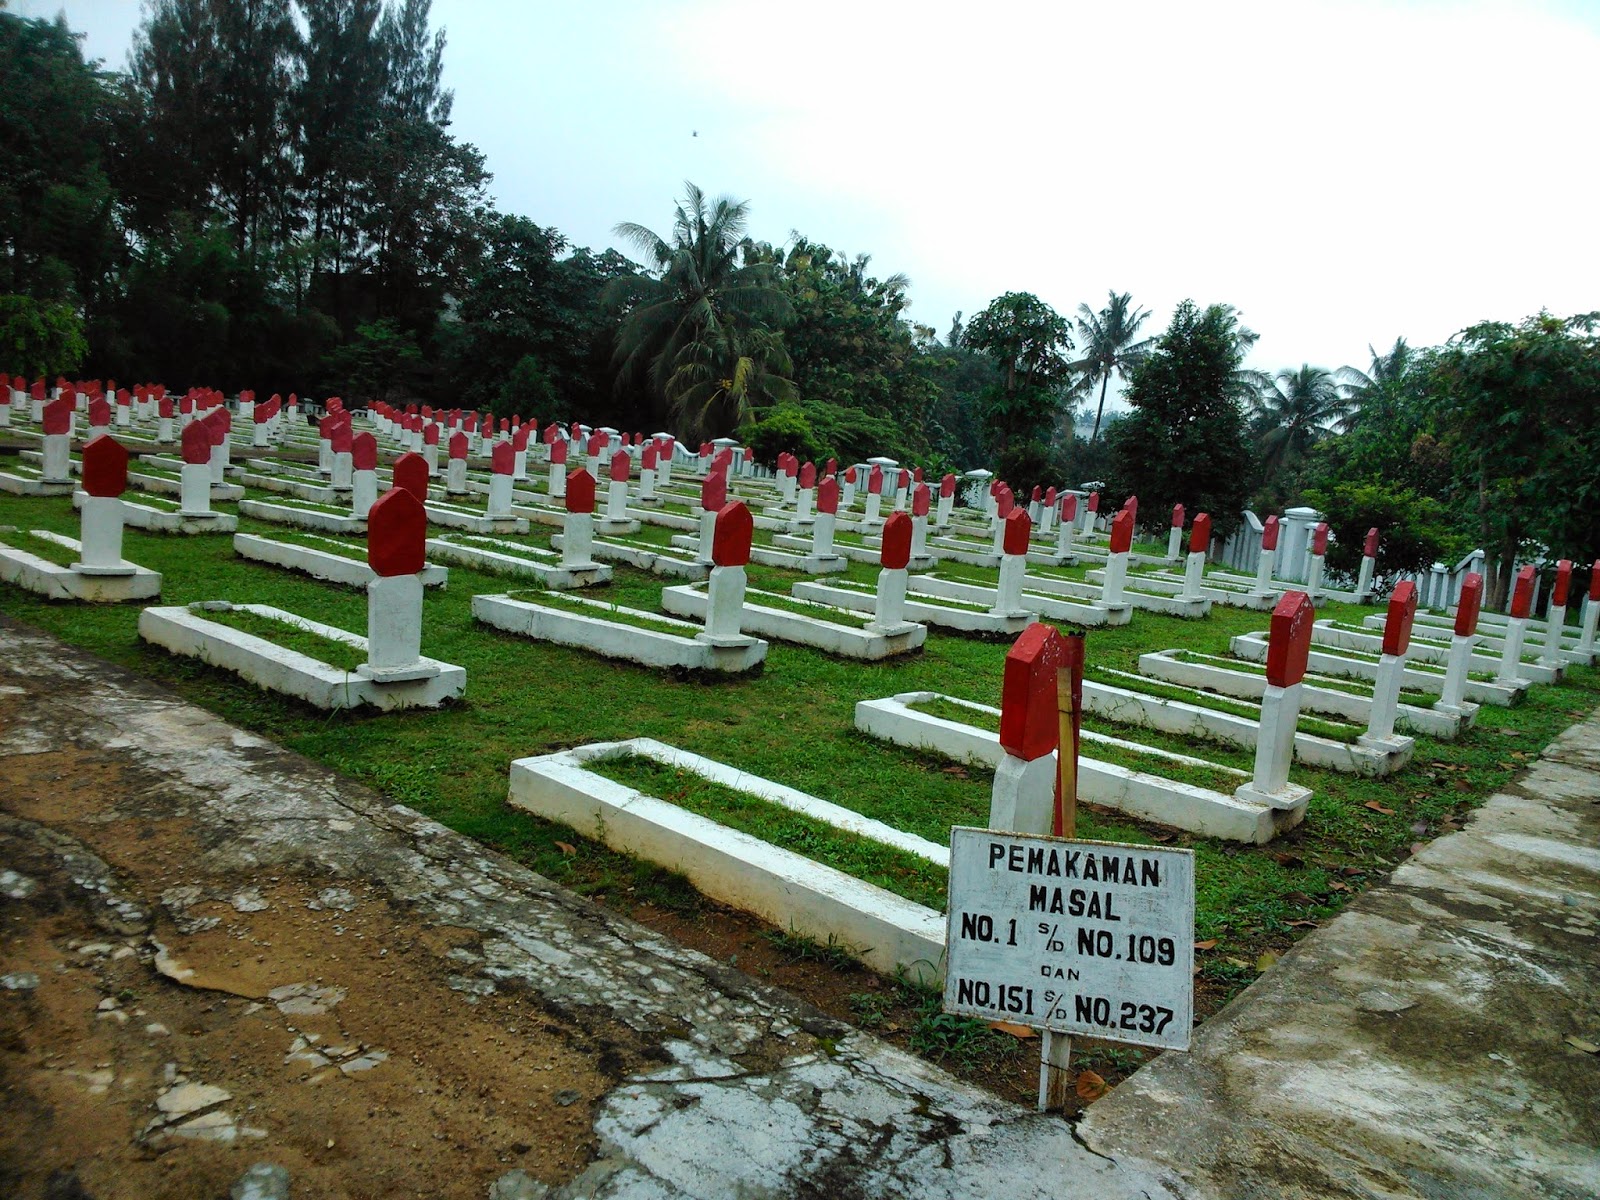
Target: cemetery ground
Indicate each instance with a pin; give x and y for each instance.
(793, 723)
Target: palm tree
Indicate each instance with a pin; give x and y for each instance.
(1293, 410)
(1377, 383)
(708, 294)
(1109, 346)
(717, 383)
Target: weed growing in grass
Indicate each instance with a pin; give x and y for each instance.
(799, 947)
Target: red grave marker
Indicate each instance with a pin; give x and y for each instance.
(1594, 582)
(597, 444)
(430, 435)
(730, 540)
(458, 446)
(196, 443)
(1522, 596)
(519, 439)
(1402, 613)
(1370, 548)
(340, 441)
(164, 407)
(99, 412)
(1094, 502)
(714, 492)
(57, 415)
(411, 474)
(1319, 539)
(364, 452)
(1037, 495)
(503, 458)
(1004, 502)
(916, 476)
(1563, 584)
(621, 465)
(903, 480)
(580, 492)
(649, 459)
(1269, 534)
(558, 452)
(1177, 516)
(1470, 605)
(1050, 497)
(808, 475)
(1029, 719)
(1200, 535)
(397, 528)
(895, 552)
(920, 501)
(1019, 528)
(1122, 532)
(105, 466)
(850, 475)
(875, 480)
(1289, 641)
(828, 495)
(832, 468)
(1069, 506)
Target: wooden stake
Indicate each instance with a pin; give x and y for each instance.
(1055, 1049)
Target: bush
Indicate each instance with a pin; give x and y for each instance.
(783, 428)
(40, 339)
(1413, 530)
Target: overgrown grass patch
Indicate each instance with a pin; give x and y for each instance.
(339, 655)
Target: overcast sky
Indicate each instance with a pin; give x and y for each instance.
(1343, 172)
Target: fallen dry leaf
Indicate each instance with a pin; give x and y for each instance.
(1336, 886)
(1289, 860)
(958, 772)
(1208, 944)
(1090, 1087)
(1238, 962)
(566, 848)
(1299, 898)
(1586, 1047)
(1378, 808)
(1301, 924)
(1417, 847)
(1268, 957)
(1022, 1032)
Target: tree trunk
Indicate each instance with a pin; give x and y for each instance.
(1105, 381)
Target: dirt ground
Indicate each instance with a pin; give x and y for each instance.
(320, 1025)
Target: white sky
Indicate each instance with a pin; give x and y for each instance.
(1342, 171)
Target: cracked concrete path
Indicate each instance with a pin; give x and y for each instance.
(690, 1078)
(1439, 1038)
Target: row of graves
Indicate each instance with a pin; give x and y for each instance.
(370, 500)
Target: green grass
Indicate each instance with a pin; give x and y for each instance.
(809, 608)
(340, 655)
(329, 544)
(1200, 698)
(793, 723)
(51, 552)
(888, 867)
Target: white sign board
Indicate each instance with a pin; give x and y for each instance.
(1091, 938)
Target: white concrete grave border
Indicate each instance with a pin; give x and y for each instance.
(55, 582)
(321, 564)
(1252, 647)
(847, 641)
(888, 932)
(161, 520)
(1137, 793)
(187, 632)
(924, 611)
(616, 639)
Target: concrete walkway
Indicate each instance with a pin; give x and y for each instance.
(1412, 1047)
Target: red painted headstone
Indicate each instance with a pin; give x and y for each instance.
(1200, 535)
(903, 480)
(947, 486)
(1319, 539)
(1522, 595)
(1402, 612)
(1177, 516)
(1131, 505)
(580, 491)
(558, 452)
(1594, 582)
(714, 492)
(411, 473)
(730, 540)
(920, 500)
(649, 458)
(1370, 548)
(597, 444)
(105, 467)
(430, 434)
(850, 475)
(1037, 495)
(339, 441)
(458, 445)
(895, 552)
(916, 476)
(1019, 528)
(519, 439)
(99, 412)
(1094, 502)
(164, 407)
(808, 475)
(832, 467)
(1470, 604)
(503, 458)
(1050, 498)
(57, 415)
(397, 528)
(1558, 593)
(875, 480)
(1004, 502)
(1069, 506)
(621, 466)
(789, 465)
(364, 452)
(1122, 532)
(196, 443)
(263, 413)
(1029, 718)
(1269, 534)
(828, 495)
(1289, 641)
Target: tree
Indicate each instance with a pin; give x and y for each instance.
(1028, 341)
(377, 364)
(1184, 442)
(1109, 346)
(1518, 408)
(37, 338)
(697, 311)
(1293, 411)
(1377, 385)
